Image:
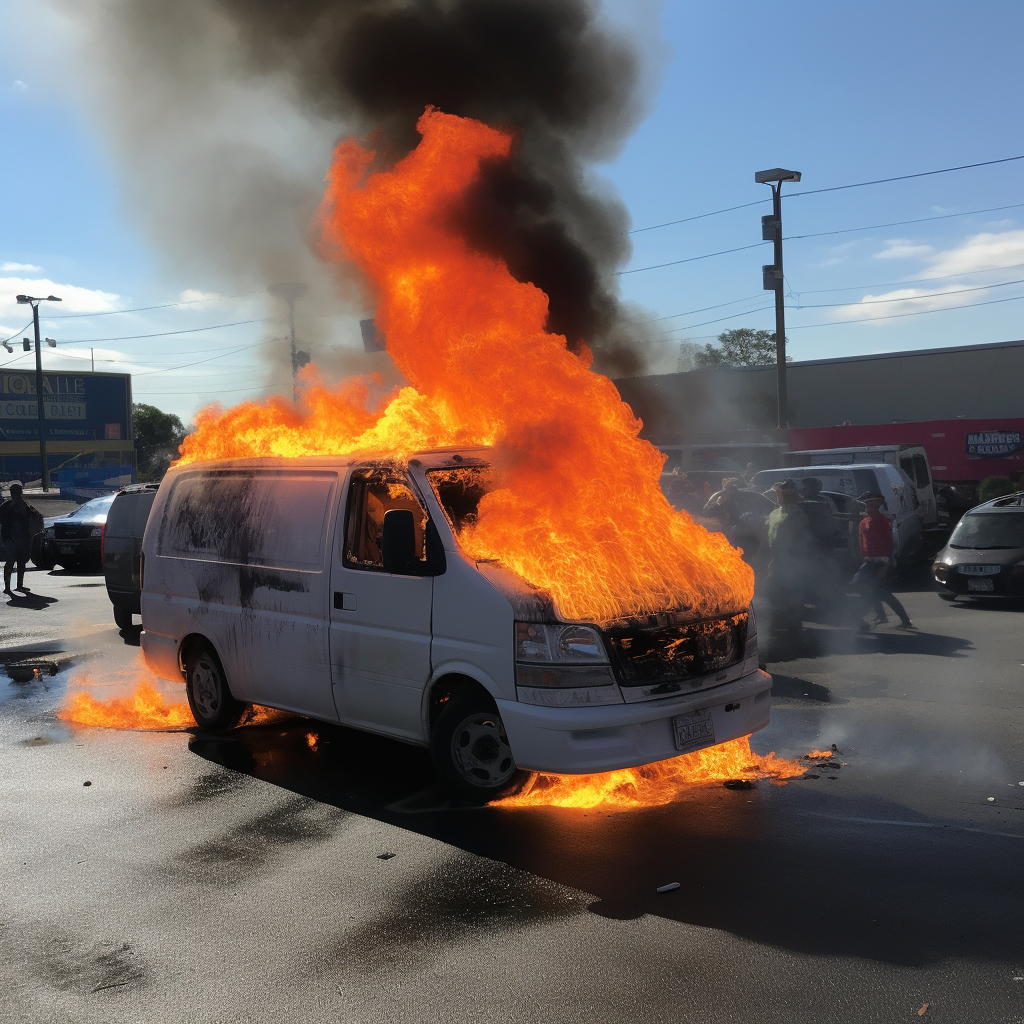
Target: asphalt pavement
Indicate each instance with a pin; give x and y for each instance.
(295, 871)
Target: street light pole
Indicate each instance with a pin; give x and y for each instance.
(40, 404)
(772, 280)
(291, 292)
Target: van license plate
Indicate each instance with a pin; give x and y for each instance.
(693, 731)
(979, 585)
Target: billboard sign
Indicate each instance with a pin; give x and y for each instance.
(994, 444)
(78, 407)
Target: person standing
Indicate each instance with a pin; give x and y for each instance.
(876, 556)
(789, 545)
(16, 536)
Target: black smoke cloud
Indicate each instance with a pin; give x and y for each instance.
(553, 71)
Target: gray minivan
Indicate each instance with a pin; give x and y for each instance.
(121, 547)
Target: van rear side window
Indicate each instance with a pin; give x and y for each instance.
(250, 518)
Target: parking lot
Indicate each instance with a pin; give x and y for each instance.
(298, 871)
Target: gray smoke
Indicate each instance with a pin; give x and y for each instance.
(223, 114)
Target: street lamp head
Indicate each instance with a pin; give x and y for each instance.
(53, 298)
(779, 174)
(24, 299)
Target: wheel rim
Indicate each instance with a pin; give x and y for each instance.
(480, 750)
(206, 687)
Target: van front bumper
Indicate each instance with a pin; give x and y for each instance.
(580, 740)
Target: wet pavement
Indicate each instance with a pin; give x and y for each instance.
(299, 871)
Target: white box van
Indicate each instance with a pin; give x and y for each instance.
(912, 459)
(337, 588)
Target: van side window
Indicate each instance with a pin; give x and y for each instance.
(921, 471)
(372, 493)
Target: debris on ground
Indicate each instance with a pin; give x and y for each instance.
(923, 1010)
(28, 671)
(386, 856)
(738, 784)
(991, 799)
(669, 887)
(87, 783)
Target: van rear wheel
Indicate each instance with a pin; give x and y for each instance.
(471, 751)
(206, 687)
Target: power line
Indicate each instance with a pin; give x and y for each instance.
(690, 327)
(166, 334)
(698, 216)
(143, 309)
(905, 177)
(912, 280)
(898, 316)
(905, 298)
(232, 391)
(901, 223)
(691, 259)
(182, 366)
(658, 319)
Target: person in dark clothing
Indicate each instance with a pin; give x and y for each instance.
(16, 535)
(876, 556)
(789, 544)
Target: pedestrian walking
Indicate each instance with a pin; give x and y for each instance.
(876, 557)
(16, 535)
(789, 545)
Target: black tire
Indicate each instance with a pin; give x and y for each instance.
(471, 751)
(123, 617)
(947, 597)
(207, 690)
(40, 553)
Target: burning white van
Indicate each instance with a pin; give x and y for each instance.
(337, 588)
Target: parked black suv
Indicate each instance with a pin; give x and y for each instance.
(122, 549)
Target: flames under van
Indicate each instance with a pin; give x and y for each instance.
(337, 589)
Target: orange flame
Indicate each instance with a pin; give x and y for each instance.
(578, 510)
(816, 754)
(654, 785)
(145, 709)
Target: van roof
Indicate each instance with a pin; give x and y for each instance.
(431, 457)
(844, 467)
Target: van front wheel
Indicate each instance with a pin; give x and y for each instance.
(211, 702)
(471, 751)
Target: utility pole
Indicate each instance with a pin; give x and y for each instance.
(40, 403)
(772, 280)
(291, 292)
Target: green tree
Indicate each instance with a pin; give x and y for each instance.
(157, 437)
(742, 346)
(995, 487)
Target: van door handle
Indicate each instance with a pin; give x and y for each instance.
(344, 602)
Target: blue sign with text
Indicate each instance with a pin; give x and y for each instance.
(76, 407)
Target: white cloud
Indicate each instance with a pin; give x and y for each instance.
(901, 300)
(73, 298)
(195, 295)
(980, 252)
(30, 268)
(18, 85)
(901, 249)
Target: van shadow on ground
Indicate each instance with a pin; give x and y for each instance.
(797, 867)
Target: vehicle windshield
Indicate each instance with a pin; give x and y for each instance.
(459, 491)
(93, 508)
(989, 530)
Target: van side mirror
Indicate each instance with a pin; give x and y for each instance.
(398, 546)
(398, 542)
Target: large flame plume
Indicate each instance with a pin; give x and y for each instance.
(578, 510)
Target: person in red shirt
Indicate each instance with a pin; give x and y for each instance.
(876, 556)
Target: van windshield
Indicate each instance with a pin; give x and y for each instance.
(459, 490)
(988, 530)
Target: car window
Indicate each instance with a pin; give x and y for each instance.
(458, 492)
(373, 492)
(921, 471)
(989, 530)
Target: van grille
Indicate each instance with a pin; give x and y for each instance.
(663, 654)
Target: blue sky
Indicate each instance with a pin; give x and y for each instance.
(843, 93)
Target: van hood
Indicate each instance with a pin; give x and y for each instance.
(529, 603)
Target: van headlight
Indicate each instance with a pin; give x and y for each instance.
(560, 656)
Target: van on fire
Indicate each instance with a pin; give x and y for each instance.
(337, 588)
